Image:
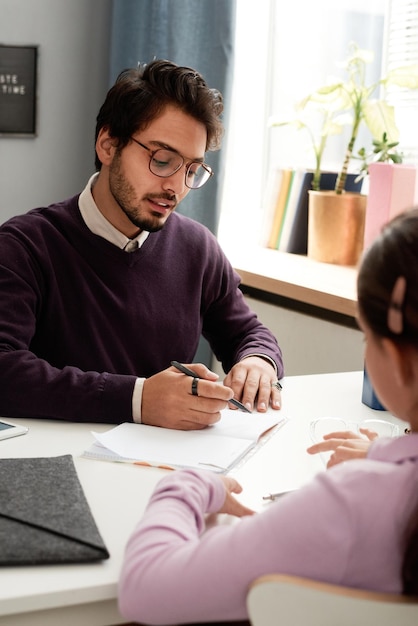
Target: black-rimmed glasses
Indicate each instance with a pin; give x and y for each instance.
(164, 162)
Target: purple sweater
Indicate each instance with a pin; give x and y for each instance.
(80, 319)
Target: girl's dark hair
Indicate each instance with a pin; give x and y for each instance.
(140, 94)
(392, 255)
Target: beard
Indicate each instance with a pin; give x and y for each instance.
(124, 194)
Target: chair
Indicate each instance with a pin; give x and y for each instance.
(281, 600)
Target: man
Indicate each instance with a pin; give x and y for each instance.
(100, 292)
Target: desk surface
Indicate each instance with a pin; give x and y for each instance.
(118, 493)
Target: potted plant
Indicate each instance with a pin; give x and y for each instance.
(336, 218)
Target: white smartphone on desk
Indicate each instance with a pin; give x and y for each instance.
(8, 429)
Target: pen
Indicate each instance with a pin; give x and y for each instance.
(275, 496)
(185, 370)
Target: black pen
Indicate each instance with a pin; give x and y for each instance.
(185, 370)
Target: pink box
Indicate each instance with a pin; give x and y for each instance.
(393, 188)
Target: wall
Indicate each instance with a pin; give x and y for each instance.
(309, 345)
(73, 39)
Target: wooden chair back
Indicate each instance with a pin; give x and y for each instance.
(282, 600)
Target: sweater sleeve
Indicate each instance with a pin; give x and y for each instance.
(30, 386)
(231, 327)
(174, 572)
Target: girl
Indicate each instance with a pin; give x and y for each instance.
(354, 525)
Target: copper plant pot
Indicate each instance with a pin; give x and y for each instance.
(336, 226)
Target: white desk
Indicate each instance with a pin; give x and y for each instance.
(86, 594)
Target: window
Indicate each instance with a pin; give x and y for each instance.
(283, 51)
(402, 49)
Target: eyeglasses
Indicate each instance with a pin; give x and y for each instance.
(164, 163)
(325, 425)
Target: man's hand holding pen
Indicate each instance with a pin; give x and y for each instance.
(172, 399)
(190, 397)
(191, 372)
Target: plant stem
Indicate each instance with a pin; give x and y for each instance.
(342, 176)
(316, 181)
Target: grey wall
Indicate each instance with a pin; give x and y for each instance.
(73, 39)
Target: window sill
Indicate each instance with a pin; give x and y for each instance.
(296, 277)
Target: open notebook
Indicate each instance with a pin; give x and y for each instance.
(217, 448)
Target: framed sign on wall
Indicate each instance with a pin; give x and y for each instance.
(18, 79)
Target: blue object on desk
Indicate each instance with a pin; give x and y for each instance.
(369, 397)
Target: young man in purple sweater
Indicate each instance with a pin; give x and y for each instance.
(99, 293)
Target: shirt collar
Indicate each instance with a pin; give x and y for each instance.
(99, 225)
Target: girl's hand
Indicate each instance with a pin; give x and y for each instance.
(345, 444)
(231, 506)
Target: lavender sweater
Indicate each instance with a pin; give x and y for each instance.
(345, 527)
(80, 319)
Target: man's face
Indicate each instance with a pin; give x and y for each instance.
(135, 196)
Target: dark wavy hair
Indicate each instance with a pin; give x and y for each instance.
(392, 255)
(140, 94)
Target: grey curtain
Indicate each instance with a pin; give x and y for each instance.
(194, 33)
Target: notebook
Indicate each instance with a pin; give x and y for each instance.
(217, 448)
